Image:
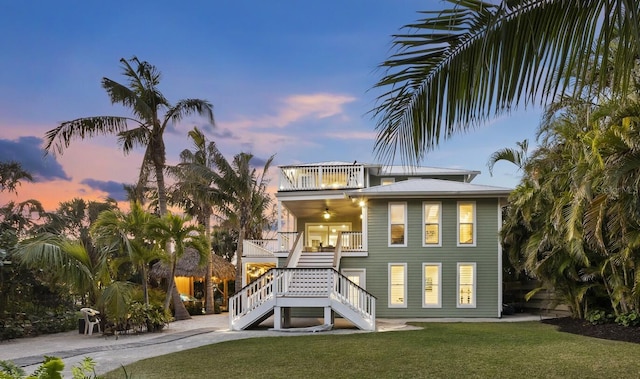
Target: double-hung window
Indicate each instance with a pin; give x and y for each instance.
(432, 291)
(431, 219)
(466, 285)
(397, 285)
(466, 223)
(397, 224)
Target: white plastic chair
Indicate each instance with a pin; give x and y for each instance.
(90, 319)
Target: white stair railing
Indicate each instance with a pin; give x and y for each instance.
(359, 300)
(338, 252)
(259, 248)
(295, 252)
(252, 296)
(286, 240)
(305, 283)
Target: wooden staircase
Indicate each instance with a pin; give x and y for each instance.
(311, 259)
(282, 288)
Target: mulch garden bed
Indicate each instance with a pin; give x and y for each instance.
(605, 331)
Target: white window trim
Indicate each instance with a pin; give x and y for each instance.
(424, 223)
(404, 304)
(475, 285)
(475, 213)
(424, 304)
(406, 210)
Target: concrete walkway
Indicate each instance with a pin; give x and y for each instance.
(110, 352)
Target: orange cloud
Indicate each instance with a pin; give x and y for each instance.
(51, 194)
(297, 107)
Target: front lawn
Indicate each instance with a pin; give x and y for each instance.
(440, 350)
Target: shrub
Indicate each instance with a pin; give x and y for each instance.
(22, 325)
(150, 317)
(629, 319)
(194, 307)
(599, 317)
(51, 368)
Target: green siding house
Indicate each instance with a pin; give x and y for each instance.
(360, 241)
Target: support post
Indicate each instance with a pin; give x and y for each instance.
(286, 317)
(277, 318)
(328, 316)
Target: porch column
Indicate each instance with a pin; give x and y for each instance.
(279, 229)
(364, 228)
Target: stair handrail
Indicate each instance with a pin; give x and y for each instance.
(284, 240)
(295, 252)
(337, 254)
(276, 282)
(252, 295)
(351, 294)
(252, 248)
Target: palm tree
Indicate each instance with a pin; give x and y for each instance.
(457, 67)
(11, 173)
(153, 114)
(68, 261)
(573, 221)
(516, 156)
(195, 193)
(243, 196)
(178, 233)
(115, 231)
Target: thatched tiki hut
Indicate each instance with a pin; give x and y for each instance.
(190, 276)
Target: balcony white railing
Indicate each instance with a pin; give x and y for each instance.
(350, 242)
(321, 177)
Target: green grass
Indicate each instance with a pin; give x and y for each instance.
(440, 350)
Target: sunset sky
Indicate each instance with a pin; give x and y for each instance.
(290, 78)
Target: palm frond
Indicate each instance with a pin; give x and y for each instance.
(131, 138)
(82, 128)
(188, 107)
(457, 67)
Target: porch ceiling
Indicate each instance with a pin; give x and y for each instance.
(338, 208)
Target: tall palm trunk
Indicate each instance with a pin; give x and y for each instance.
(180, 310)
(145, 283)
(209, 300)
(159, 165)
(208, 280)
(239, 252)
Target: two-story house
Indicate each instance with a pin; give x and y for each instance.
(361, 240)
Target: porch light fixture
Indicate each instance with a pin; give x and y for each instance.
(326, 214)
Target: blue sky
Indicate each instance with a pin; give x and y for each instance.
(290, 78)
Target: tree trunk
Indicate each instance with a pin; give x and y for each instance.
(209, 300)
(145, 284)
(162, 192)
(208, 281)
(239, 252)
(178, 306)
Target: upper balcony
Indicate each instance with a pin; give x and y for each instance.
(321, 176)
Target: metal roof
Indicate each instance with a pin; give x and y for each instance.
(430, 187)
